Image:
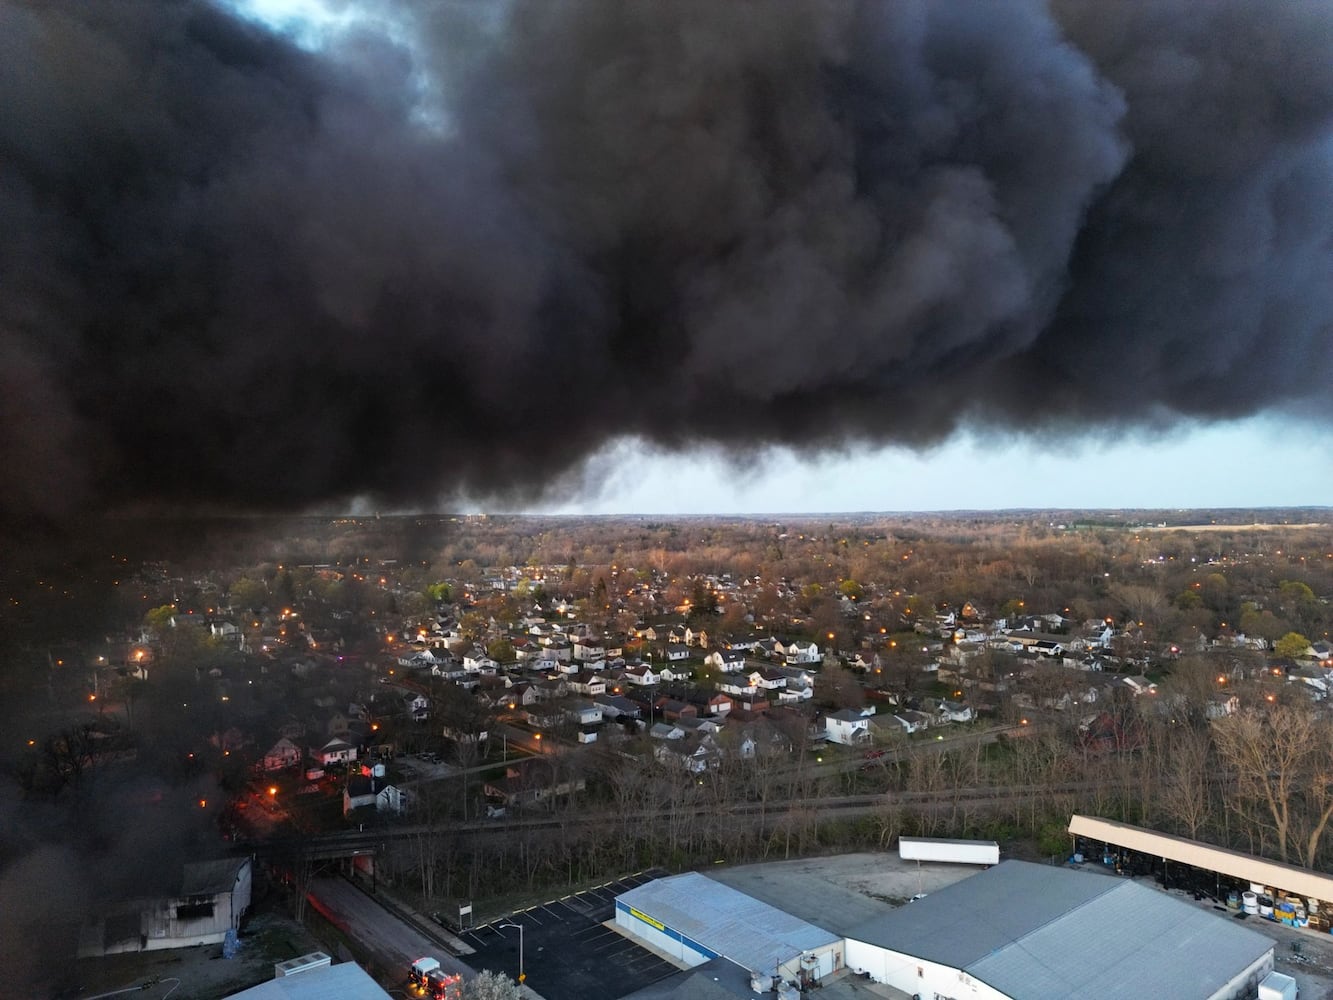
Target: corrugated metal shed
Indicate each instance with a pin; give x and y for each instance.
(347, 981)
(749, 932)
(1246, 867)
(966, 921)
(1128, 943)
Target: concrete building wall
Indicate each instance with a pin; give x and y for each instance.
(915, 975)
(1246, 984)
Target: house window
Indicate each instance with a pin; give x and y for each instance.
(195, 911)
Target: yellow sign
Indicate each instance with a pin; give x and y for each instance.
(647, 919)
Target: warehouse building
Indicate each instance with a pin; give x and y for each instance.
(695, 919)
(1021, 930)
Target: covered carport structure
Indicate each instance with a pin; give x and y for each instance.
(1242, 869)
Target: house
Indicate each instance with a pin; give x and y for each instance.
(585, 682)
(728, 661)
(641, 675)
(802, 652)
(679, 672)
(334, 752)
(417, 706)
(393, 800)
(867, 661)
(696, 753)
(672, 709)
(757, 738)
(848, 727)
(675, 653)
(768, 680)
(477, 662)
(615, 706)
(532, 780)
(588, 649)
(1139, 685)
(739, 686)
(361, 791)
(953, 711)
(421, 658)
(282, 754)
(666, 731)
(224, 630)
(696, 637)
(912, 721)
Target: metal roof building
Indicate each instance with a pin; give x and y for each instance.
(347, 981)
(1023, 931)
(1245, 867)
(695, 919)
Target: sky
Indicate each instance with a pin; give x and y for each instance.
(1260, 462)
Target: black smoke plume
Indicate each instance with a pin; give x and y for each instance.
(463, 253)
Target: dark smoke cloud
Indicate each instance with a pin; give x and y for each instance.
(236, 273)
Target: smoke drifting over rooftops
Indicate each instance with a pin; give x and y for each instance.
(237, 273)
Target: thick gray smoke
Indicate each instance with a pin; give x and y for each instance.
(236, 273)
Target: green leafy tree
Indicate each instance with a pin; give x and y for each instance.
(851, 589)
(159, 619)
(247, 594)
(441, 592)
(1292, 645)
(501, 651)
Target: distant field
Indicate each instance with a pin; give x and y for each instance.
(1236, 527)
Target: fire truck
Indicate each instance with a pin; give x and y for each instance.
(432, 982)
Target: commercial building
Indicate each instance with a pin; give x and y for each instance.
(1022, 930)
(347, 981)
(213, 897)
(695, 919)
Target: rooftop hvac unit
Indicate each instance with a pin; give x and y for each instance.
(304, 963)
(760, 983)
(788, 992)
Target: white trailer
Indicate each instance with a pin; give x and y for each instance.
(1276, 986)
(958, 852)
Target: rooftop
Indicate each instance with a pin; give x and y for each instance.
(746, 930)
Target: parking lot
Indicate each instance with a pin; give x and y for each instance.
(566, 950)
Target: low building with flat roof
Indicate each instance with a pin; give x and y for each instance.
(1021, 931)
(695, 919)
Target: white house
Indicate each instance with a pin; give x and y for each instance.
(642, 676)
(802, 652)
(334, 752)
(728, 661)
(848, 727)
(475, 662)
(953, 711)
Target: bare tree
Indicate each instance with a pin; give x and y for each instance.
(1281, 760)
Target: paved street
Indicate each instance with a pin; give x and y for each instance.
(392, 944)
